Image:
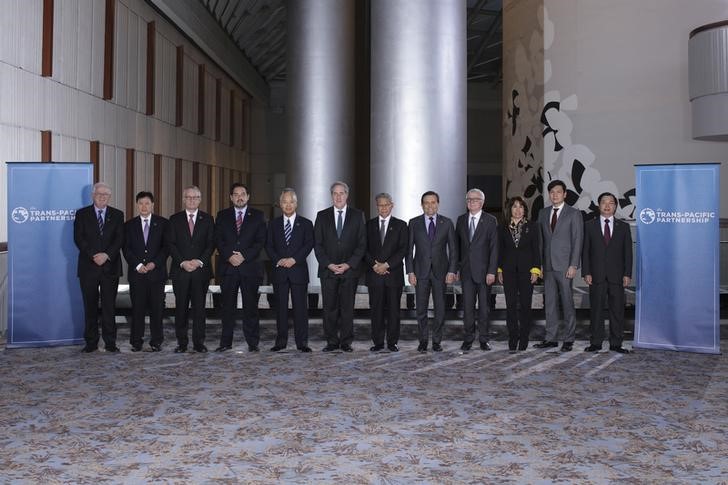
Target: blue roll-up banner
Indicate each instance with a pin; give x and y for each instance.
(678, 257)
(45, 305)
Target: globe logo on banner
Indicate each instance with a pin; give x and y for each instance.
(647, 216)
(20, 215)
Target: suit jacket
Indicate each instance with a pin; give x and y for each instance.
(524, 257)
(562, 246)
(440, 255)
(154, 251)
(607, 262)
(90, 241)
(249, 242)
(478, 257)
(392, 251)
(298, 248)
(183, 247)
(349, 249)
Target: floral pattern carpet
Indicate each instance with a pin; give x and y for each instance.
(362, 417)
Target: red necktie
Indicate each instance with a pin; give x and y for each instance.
(607, 232)
(554, 219)
(191, 224)
(239, 221)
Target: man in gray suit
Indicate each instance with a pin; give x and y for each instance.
(477, 238)
(431, 263)
(562, 231)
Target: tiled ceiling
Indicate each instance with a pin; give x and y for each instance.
(258, 28)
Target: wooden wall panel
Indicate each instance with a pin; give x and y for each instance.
(151, 68)
(201, 83)
(47, 49)
(130, 185)
(179, 86)
(178, 184)
(159, 205)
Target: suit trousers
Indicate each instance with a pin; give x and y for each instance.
(338, 304)
(299, 303)
(422, 301)
(473, 291)
(248, 286)
(146, 297)
(190, 288)
(90, 285)
(557, 291)
(384, 302)
(519, 292)
(599, 294)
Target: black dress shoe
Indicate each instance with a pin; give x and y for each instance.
(201, 349)
(567, 346)
(89, 348)
(484, 346)
(545, 345)
(523, 346)
(436, 347)
(305, 349)
(224, 348)
(276, 348)
(466, 346)
(422, 347)
(347, 348)
(136, 348)
(621, 350)
(393, 348)
(593, 348)
(376, 348)
(113, 348)
(330, 348)
(155, 347)
(180, 350)
(253, 348)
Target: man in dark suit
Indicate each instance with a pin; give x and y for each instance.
(98, 231)
(477, 237)
(431, 262)
(190, 242)
(387, 239)
(340, 243)
(607, 269)
(562, 233)
(239, 237)
(289, 242)
(146, 254)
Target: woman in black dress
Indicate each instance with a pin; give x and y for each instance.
(519, 266)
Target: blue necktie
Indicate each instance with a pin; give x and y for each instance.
(339, 224)
(431, 229)
(287, 231)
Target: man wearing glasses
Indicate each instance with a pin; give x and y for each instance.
(190, 240)
(477, 266)
(98, 231)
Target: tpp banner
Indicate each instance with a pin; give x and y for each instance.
(678, 257)
(45, 306)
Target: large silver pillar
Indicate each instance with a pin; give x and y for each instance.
(418, 103)
(320, 77)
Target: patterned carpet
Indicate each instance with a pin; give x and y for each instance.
(453, 417)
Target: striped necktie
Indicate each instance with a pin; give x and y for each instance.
(101, 222)
(287, 231)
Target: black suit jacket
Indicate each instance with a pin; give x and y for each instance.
(607, 262)
(249, 242)
(89, 241)
(183, 247)
(298, 248)
(349, 249)
(524, 257)
(391, 252)
(478, 257)
(440, 256)
(154, 251)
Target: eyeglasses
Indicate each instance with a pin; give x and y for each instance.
(103, 194)
(192, 197)
(473, 200)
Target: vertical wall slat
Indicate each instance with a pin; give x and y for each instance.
(46, 146)
(109, 27)
(151, 58)
(201, 74)
(130, 162)
(95, 156)
(179, 98)
(47, 49)
(158, 183)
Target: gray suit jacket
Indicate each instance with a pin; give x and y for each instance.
(478, 257)
(562, 246)
(424, 255)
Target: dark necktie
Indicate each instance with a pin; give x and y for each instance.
(146, 230)
(382, 232)
(554, 219)
(431, 229)
(287, 231)
(339, 224)
(472, 228)
(101, 222)
(607, 232)
(239, 221)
